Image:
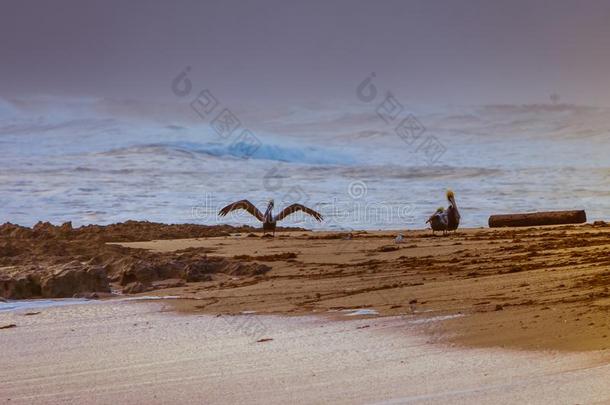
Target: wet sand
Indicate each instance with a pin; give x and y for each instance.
(534, 288)
(486, 316)
(126, 352)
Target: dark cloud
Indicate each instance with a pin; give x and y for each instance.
(282, 52)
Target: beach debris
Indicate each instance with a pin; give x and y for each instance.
(268, 258)
(400, 238)
(264, 340)
(538, 218)
(9, 326)
(387, 248)
(31, 313)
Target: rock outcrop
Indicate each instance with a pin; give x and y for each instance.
(74, 278)
(61, 261)
(19, 286)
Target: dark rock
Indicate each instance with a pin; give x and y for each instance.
(193, 276)
(199, 271)
(140, 271)
(43, 229)
(19, 287)
(243, 269)
(14, 231)
(74, 278)
(148, 271)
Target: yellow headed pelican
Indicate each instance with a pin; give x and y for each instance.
(453, 215)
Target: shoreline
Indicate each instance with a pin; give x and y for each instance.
(542, 288)
(146, 352)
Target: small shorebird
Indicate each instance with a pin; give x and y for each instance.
(268, 219)
(445, 219)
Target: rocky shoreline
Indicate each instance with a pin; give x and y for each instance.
(48, 261)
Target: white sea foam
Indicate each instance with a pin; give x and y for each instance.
(30, 304)
(360, 312)
(435, 319)
(23, 305)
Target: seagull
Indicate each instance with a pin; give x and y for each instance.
(400, 238)
(445, 219)
(268, 219)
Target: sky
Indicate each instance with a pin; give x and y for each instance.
(282, 52)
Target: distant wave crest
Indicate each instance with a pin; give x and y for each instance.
(240, 150)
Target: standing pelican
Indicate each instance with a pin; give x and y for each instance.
(453, 215)
(269, 221)
(445, 219)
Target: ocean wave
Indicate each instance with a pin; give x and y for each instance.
(239, 150)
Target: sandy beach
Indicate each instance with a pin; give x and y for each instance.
(111, 352)
(492, 316)
(542, 288)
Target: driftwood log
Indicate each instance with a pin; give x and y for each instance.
(538, 218)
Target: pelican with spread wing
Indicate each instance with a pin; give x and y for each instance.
(439, 221)
(268, 219)
(445, 219)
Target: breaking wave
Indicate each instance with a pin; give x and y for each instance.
(239, 150)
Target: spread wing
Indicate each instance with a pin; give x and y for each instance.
(291, 209)
(242, 205)
(438, 219)
(439, 215)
